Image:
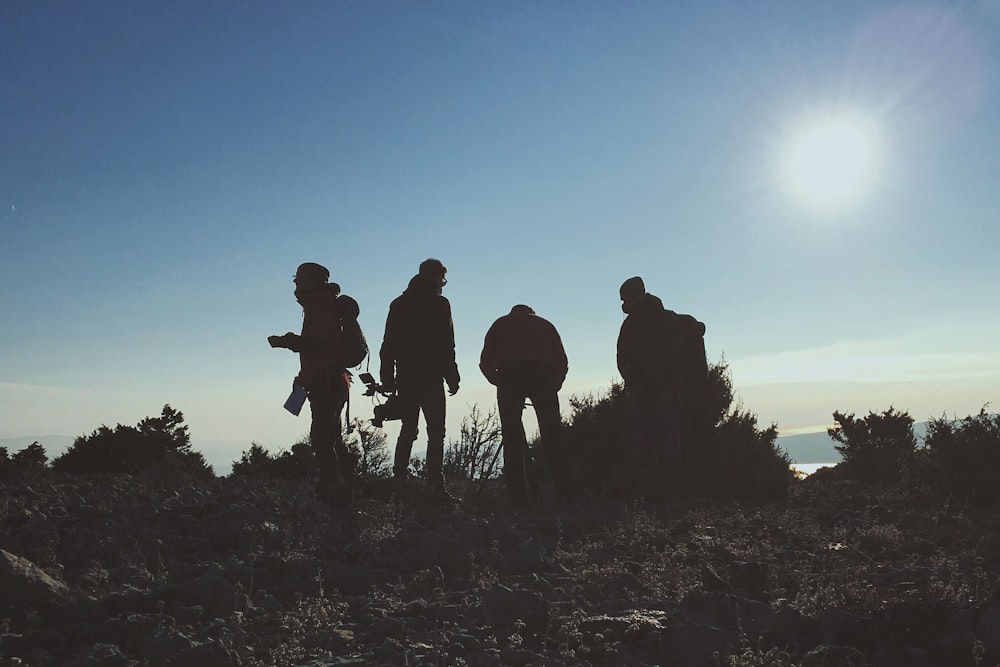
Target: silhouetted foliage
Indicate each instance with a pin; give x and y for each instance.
(370, 449)
(367, 445)
(724, 452)
(476, 454)
(153, 442)
(738, 459)
(962, 457)
(877, 448)
(597, 433)
(30, 460)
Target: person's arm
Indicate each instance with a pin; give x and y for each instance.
(487, 359)
(387, 354)
(451, 376)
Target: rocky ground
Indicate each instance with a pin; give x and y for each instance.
(155, 570)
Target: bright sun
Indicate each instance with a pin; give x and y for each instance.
(829, 165)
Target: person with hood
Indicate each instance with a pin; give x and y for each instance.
(523, 357)
(322, 375)
(417, 358)
(661, 358)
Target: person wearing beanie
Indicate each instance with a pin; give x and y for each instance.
(417, 359)
(661, 358)
(523, 357)
(323, 377)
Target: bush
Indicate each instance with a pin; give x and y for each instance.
(30, 460)
(476, 454)
(738, 459)
(877, 448)
(963, 456)
(723, 452)
(154, 441)
(366, 446)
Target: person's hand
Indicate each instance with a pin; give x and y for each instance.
(387, 388)
(452, 388)
(280, 341)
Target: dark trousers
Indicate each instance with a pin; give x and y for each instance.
(327, 397)
(416, 396)
(518, 382)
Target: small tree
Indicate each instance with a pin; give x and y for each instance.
(876, 448)
(154, 441)
(370, 449)
(476, 454)
(963, 456)
(32, 459)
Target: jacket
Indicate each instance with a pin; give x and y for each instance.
(319, 343)
(658, 348)
(419, 340)
(522, 335)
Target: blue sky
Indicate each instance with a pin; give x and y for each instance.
(165, 166)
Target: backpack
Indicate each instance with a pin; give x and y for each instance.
(353, 346)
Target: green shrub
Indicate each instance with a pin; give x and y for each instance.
(29, 461)
(963, 456)
(877, 448)
(366, 446)
(154, 441)
(723, 452)
(737, 459)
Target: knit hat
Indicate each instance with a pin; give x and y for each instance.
(632, 289)
(313, 270)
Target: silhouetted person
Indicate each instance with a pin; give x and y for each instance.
(524, 357)
(417, 358)
(323, 377)
(661, 357)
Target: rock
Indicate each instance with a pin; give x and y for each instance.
(24, 584)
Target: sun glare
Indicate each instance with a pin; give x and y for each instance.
(830, 164)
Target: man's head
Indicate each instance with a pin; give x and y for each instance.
(632, 289)
(521, 309)
(311, 275)
(434, 272)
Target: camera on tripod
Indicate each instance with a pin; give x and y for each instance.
(388, 411)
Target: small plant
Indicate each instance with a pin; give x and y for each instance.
(963, 456)
(476, 454)
(877, 448)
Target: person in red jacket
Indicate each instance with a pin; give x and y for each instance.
(323, 377)
(524, 358)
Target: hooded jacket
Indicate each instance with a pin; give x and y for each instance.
(522, 335)
(658, 348)
(419, 340)
(319, 343)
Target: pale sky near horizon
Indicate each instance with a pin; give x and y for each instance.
(164, 167)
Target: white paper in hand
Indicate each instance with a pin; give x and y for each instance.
(295, 400)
